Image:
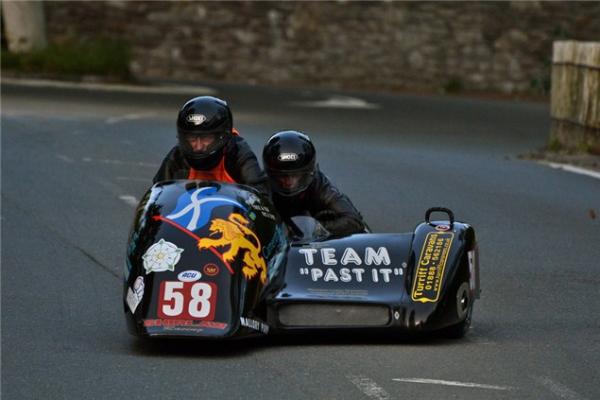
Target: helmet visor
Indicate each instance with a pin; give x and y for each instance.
(202, 144)
(290, 183)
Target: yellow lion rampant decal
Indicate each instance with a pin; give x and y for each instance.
(234, 232)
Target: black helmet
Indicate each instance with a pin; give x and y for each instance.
(206, 118)
(289, 158)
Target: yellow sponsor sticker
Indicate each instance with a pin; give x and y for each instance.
(430, 269)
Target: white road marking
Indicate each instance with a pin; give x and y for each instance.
(369, 387)
(130, 200)
(64, 158)
(559, 390)
(574, 169)
(452, 383)
(175, 89)
(338, 102)
(128, 117)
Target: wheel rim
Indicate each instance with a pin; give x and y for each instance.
(463, 301)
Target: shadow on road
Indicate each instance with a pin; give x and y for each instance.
(203, 348)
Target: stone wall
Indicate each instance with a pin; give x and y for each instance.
(474, 46)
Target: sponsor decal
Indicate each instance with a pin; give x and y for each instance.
(189, 276)
(194, 208)
(287, 157)
(254, 324)
(161, 256)
(187, 300)
(210, 269)
(430, 268)
(269, 215)
(178, 324)
(135, 295)
(138, 286)
(442, 228)
(356, 266)
(196, 119)
(327, 256)
(240, 242)
(348, 275)
(254, 202)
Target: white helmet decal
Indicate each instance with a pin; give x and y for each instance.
(287, 157)
(196, 119)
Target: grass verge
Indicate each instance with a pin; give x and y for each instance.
(98, 56)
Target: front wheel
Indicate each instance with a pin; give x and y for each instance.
(464, 309)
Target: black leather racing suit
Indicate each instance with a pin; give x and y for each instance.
(324, 202)
(240, 163)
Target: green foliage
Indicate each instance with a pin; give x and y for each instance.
(543, 82)
(555, 145)
(98, 56)
(10, 60)
(584, 147)
(453, 85)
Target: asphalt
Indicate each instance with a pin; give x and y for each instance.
(74, 160)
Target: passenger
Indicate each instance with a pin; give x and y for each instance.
(209, 148)
(298, 187)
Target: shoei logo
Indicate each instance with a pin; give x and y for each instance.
(287, 157)
(196, 119)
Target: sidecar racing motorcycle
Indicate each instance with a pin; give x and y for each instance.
(213, 260)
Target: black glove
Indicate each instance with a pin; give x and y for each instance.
(325, 215)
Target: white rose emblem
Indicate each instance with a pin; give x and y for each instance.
(161, 256)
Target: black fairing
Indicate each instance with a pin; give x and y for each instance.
(236, 295)
(412, 282)
(385, 282)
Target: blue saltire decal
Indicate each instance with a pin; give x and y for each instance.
(194, 208)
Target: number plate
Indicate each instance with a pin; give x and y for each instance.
(187, 300)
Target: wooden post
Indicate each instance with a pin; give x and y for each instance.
(24, 25)
(575, 96)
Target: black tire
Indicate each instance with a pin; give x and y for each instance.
(464, 307)
(459, 330)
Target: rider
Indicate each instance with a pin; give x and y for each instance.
(299, 187)
(209, 148)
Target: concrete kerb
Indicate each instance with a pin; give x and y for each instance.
(109, 87)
